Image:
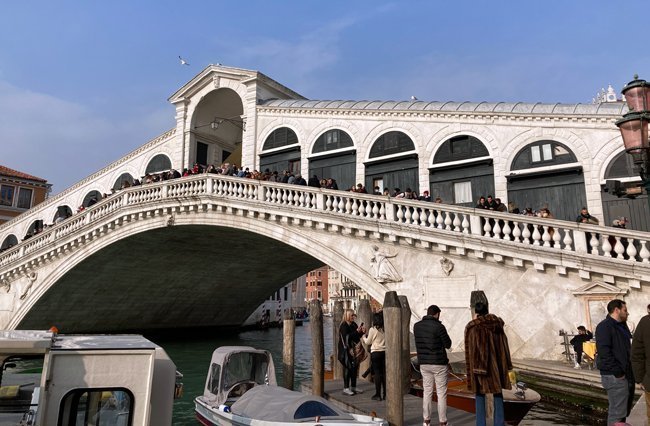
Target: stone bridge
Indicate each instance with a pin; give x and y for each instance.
(205, 250)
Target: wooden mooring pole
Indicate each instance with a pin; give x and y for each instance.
(406, 344)
(394, 363)
(365, 317)
(288, 348)
(337, 317)
(317, 348)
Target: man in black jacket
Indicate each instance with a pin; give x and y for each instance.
(614, 347)
(431, 340)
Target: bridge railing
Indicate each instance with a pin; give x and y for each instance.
(548, 234)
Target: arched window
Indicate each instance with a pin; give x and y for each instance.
(125, 180)
(35, 228)
(620, 167)
(91, 198)
(541, 154)
(283, 136)
(159, 163)
(62, 213)
(9, 242)
(460, 148)
(331, 140)
(391, 143)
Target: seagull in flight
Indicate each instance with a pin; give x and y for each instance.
(183, 61)
(413, 98)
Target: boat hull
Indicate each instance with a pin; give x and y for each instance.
(458, 396)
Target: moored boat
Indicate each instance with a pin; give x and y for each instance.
(241, 389)
(517, 401)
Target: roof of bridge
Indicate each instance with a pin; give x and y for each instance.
(6, 171)
(614, 108)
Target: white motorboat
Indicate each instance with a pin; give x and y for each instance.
(118, 380)
(241, 389)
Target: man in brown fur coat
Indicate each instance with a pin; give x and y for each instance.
(487, 356)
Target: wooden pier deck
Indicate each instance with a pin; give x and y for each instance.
(362, 404)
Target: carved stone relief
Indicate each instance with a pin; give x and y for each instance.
(447, 266)
(382, 268)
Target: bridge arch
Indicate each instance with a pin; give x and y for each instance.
(69, 283)
(333, 155)
(393, 162)
(125, 179)
(281, 150)
(62, 212)
(93, 194)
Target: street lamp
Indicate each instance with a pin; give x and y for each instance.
(634, 127)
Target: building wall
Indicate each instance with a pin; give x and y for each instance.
(39, 194)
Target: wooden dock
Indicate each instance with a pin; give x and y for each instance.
(362, 404)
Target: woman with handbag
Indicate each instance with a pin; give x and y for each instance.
(375, 339)
(349, 336)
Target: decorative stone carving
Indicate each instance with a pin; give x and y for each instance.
(5, 286)
(171, 220)
(447, 266)
(216, 81)
(383, 270)
(32, 276)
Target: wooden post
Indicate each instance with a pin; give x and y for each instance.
(394, 376)
(288, 349)
(337, 317)
(364, 316)
(406, 344)
(317, 348)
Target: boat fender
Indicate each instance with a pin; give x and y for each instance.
(224, 408)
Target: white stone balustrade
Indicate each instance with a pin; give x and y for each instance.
(545, 234)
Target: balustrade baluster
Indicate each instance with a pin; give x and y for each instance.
(526, 234)
(448, 221)
(607, 247)
(439, 220)
(631, 250)
(496, 230)
(546, 237)
(407, 215)
(486, 227)
(536, 235)
(557, 238)
(400, 213)
(619, 249)
(328, 203)
(516, 232)
(348, 205)
(594, 243)
(431, 219)
(415, 217)
(340, 205)
(507, 231)
(375, 210)
(301, 199)
(465, 224)
(567, 241)
(368, 209)
(644, 252)
(382, 211)
(456, 223)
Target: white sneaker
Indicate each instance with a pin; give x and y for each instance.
(577, 366)
(355, 390)
(347, 391)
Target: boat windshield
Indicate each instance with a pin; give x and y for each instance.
(243, 367)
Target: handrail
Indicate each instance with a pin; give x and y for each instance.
(509, 229)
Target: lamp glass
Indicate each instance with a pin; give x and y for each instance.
(635, 134)
(637, 97)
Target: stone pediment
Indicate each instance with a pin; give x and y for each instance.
(212, 74)
(598, 288)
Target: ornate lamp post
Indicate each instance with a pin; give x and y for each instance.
(634, 127)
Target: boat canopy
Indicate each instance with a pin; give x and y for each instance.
(232, 366)
(276, 404)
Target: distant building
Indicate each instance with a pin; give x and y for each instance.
(347, 291)
(290, 296)
(317, 285)
(19, 192)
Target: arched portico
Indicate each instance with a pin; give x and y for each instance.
(217, 127)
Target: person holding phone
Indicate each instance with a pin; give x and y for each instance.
(376, 341)
(349, 335)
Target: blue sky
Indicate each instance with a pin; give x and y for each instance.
(82, 83)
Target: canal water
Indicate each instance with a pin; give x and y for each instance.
(192, 357)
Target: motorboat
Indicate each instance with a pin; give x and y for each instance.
(48, 379)
(517, 401)
(241, 389)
